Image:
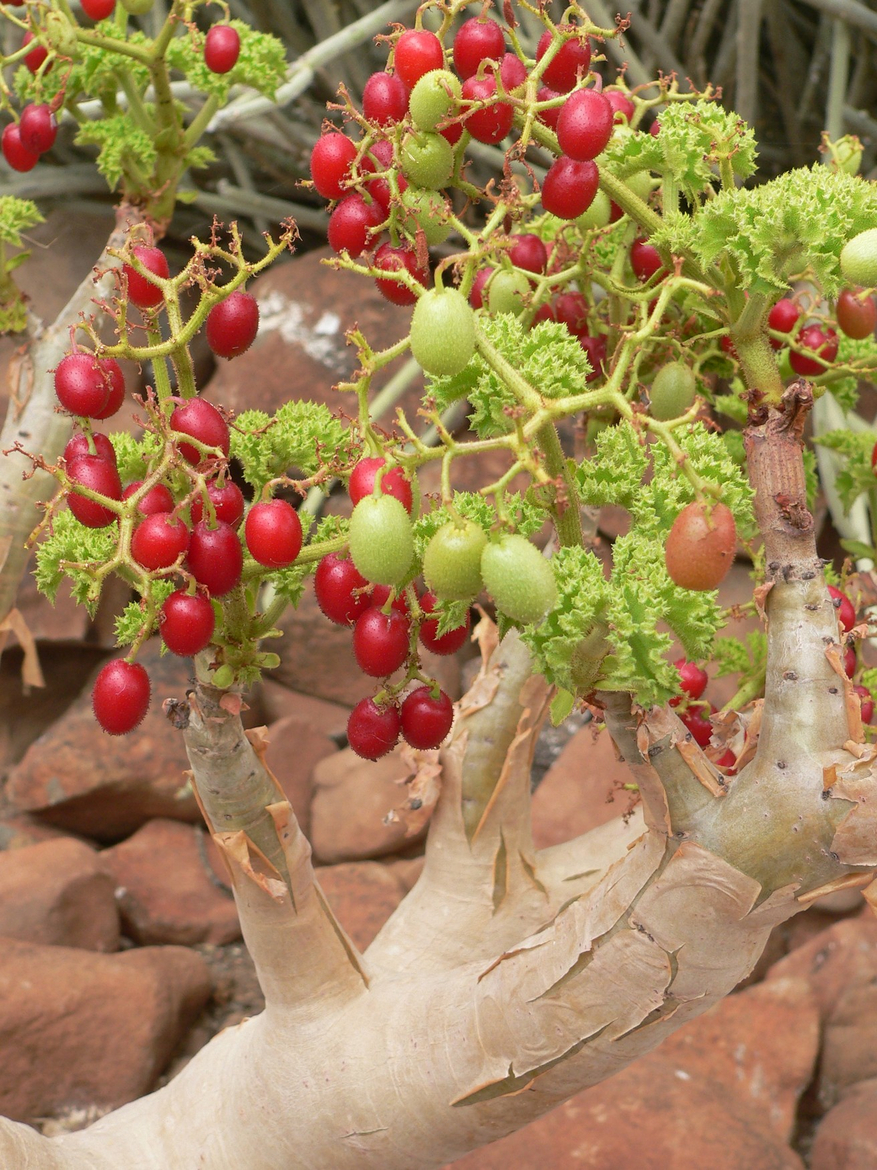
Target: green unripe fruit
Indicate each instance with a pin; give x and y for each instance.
(586, 660)
(433, 98)
(641, 183)
(427, 159)
(381, 540)
(443, 331)
(858, 259)
(59, 33)
(518, 578)
(452, 561)
(429, 212)
(506, 292)
(597, 215)
(673, 391)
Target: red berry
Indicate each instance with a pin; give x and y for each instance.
(36, 56)
(142, 292)
(373, 731)
(476, 293)
(867, 703)
(448, 643)
(573, 59)
(186, 623)
(585, 125)
(548, 117)
(644, 260)
(121, 696)
(701, 546)
(697, 722)
(492, 123)
(727, 761)
(569, 187)
(341, 590)
(273, 533)
(476, 41)
(846, 613)
(417, 52)
(200, 420)
(14, 150)
(98, 9)
(529, 252)
(512, 72)
(856, 315)
(227, 500)
(331, 159)
(351, 225)
(89, 386)
(393, 482)
(783, 317)
(215, 557)
(380, 595)
(222, 47)
(98, 475)
(849, 661)
(37, 128)
(426, 721)
(380, 641)
(78, 445)
(620, 103)
(111, 369)
(159, 541)
(595, 348)
(571, 310)
(823, 342)
(692, 680)
(655, 128)
(379, 189)
(158, 499)
(395, 259)
(385, 98)
(232, 325)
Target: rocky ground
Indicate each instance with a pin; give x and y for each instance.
(121, 954)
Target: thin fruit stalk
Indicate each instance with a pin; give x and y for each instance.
(32, 419)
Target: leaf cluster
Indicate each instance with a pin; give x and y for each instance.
(301, 435)
(71, 550)
(798, 220)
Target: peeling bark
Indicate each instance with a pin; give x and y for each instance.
(509, 980)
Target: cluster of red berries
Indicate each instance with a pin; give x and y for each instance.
(856, 316)
(24, 141)
(384, 637)
(208, 549)
(416, 115)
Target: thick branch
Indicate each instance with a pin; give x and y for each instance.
(301, 954)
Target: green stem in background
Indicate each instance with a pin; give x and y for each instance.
(838, 80)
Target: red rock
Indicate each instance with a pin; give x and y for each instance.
(18, 830)
(363, 895)
(305, 309)
(166, 889)
(105, 786)
(841, 967)
(581, 789)
(718, 1094)
(294, 750)
(351, 799)
(847, 1136)
(280, 702)
(56, 893)
(843, 956)
(79, 1029)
